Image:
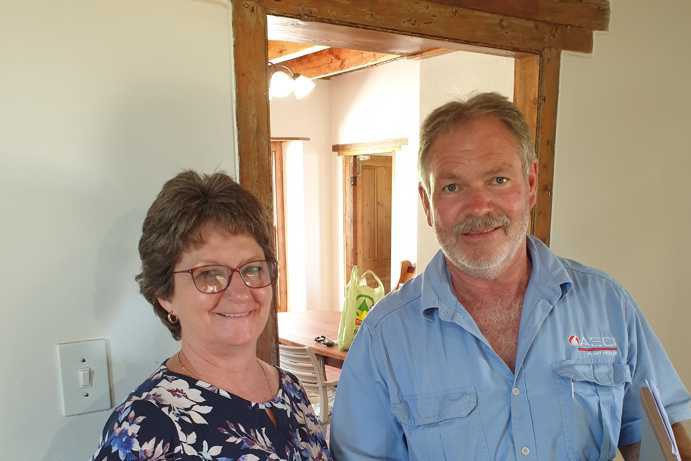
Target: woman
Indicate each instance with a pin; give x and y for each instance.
(208, 269)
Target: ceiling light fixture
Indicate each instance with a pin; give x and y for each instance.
(284, 81)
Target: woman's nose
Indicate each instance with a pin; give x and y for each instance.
(237, 287)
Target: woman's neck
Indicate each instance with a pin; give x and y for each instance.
(210, 365)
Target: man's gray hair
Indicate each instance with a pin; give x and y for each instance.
(444, 118)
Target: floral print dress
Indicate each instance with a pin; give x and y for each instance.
(174, 417)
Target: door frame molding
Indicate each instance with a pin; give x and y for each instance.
(535, 45)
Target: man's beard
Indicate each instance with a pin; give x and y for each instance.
(490, 266)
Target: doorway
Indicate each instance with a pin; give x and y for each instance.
(367, 214)
(534, 45)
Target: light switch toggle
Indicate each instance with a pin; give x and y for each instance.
(84, 374)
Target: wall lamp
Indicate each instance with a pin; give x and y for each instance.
(284, 81)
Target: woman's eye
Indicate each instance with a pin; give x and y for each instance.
(209, 275)
(252, 270)
(450, 188)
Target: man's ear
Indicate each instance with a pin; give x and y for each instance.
(532, 184)
(424, 198)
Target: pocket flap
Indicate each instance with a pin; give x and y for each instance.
(604, 374)
(422, 409)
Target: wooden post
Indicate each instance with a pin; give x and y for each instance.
(548, 95)
(536, 90)
(252, 115)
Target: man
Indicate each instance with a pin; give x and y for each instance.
(500, 349)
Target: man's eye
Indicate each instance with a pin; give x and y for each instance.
(450, 188)
(501, 180)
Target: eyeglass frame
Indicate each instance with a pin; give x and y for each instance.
(233, 270)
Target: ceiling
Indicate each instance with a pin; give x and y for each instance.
(319, 50)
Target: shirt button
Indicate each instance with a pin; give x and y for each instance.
(525, 451)
(515, 391)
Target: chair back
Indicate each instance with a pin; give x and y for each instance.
(309, 369)
(407, 272)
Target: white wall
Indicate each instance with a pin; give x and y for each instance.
(375, 104)
(623, 161)
(311, 212)
(452, 76)
(100, 103)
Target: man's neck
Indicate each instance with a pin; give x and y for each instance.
(496, 304)
(505, 288)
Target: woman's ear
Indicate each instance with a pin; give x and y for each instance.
(165, 304)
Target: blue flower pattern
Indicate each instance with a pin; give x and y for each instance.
(172, 417)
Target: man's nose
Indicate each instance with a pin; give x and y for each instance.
(478, 201)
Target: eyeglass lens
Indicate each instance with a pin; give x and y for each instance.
(214, 279)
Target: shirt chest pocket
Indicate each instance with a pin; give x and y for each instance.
(591, 396)
(444, 425)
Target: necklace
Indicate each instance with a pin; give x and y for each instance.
(266, 377)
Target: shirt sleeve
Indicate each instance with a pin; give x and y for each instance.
(648, 361)
(363, 426)
(137, 431)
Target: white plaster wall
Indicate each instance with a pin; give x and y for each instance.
(311, 192)
(623, 161)
(442, 79)
(100, 103)
(376, 104)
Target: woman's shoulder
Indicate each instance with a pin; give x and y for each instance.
(151, 418)
(288, 379)
(139, 425)
(291, 389)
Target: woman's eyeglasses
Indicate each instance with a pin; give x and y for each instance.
(216, 278)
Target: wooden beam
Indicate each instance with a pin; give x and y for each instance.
(525, 88)
(334, 61)
(588, 14)
(431, 53)
(438, 21)
(548, 95)
(279, 49)
(356, 38)
(252, 116)
(536, 88)
(363, 148)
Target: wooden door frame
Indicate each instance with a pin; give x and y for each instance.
(350, 219)
(280, 226)
(349, 152)
(536, 46)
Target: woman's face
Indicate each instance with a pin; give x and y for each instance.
(234, 317)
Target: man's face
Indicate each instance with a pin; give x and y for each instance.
(480, 197)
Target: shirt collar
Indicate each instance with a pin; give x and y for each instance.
(549, 280)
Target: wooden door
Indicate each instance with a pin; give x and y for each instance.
(371, 213)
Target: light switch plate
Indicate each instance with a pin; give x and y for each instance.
(86, 360)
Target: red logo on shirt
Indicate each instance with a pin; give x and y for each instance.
(593, 343)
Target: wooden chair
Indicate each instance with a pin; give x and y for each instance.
(309, 369)
(407, 272)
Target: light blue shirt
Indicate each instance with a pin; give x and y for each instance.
(422, 383)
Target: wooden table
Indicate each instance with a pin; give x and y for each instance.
(300, 329)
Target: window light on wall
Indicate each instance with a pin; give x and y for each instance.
(284, 82)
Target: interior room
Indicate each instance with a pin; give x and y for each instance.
(102, 102)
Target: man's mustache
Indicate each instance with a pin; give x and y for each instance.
(482, 223)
